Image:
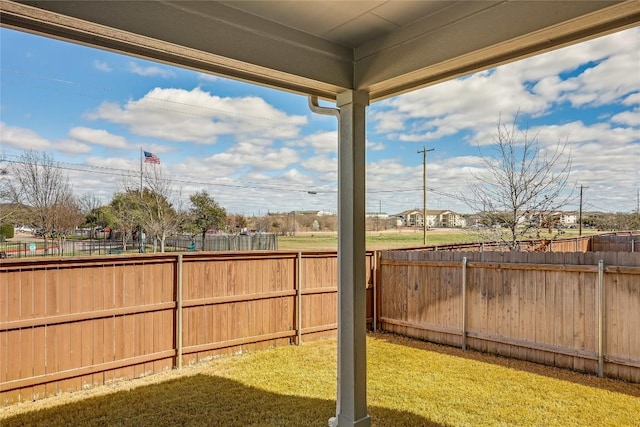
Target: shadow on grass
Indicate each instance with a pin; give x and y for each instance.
(201, 400)
(616, 386)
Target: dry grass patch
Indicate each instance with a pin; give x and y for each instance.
(411, 383)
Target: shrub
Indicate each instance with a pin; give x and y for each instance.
(6, 231)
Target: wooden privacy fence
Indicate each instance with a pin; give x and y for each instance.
(569, 244)
(71, 323)
(577, 311)
(618, 242)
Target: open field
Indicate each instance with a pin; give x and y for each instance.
(394, 239)
(410, 383)
(376, 240)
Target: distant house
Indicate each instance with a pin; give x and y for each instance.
(435, 218)
(568, 219)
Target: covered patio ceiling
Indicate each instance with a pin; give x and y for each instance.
(322, 48)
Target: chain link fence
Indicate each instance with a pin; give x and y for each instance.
(253, 242)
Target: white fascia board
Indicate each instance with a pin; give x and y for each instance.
(216, 39)
(492, 34)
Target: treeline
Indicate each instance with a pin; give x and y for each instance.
(35, 192)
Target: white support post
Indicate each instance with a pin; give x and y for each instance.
(351, 408)
(351, 405)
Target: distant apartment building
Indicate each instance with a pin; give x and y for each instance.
(435, 219)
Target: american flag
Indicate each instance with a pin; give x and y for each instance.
(151, 158)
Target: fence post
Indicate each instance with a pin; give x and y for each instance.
(600, 317)
(298, 299)
(464, 303)
(374, 272)
(178, 335)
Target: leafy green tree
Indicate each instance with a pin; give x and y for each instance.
(6, 231)
(206, 214)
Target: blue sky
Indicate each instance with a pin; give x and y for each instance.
(257, 150)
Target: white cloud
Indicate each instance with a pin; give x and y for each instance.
(633, 99)
(150, 71)
(199, 117)
(98, 137)
(375, 146)
(445, 109)
(628, 118)
(321, 163)
(296, 178)
(23, 139)
(208, 77)
(576, 133)
(531, 87)
(70, 146)
(321, 142)
(612, 79)
(244, 155)
(102, 66)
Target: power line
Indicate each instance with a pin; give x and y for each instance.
(106, 170)
(134, 174)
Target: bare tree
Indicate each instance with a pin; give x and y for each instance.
(127, 214)
(160, 217)
(37, 181)
(7, 208)
(67, 216)
(521, 184)
(89, 203)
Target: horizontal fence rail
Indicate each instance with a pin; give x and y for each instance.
(71, 323)
(577, 311)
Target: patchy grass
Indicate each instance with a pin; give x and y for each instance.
(411, 383)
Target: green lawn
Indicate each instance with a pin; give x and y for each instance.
(410, 383)
(376, 240)
(391, 239)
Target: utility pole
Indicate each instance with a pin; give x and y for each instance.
(580, 212)
(424, 152)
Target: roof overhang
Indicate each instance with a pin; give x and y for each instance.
(324, 48)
